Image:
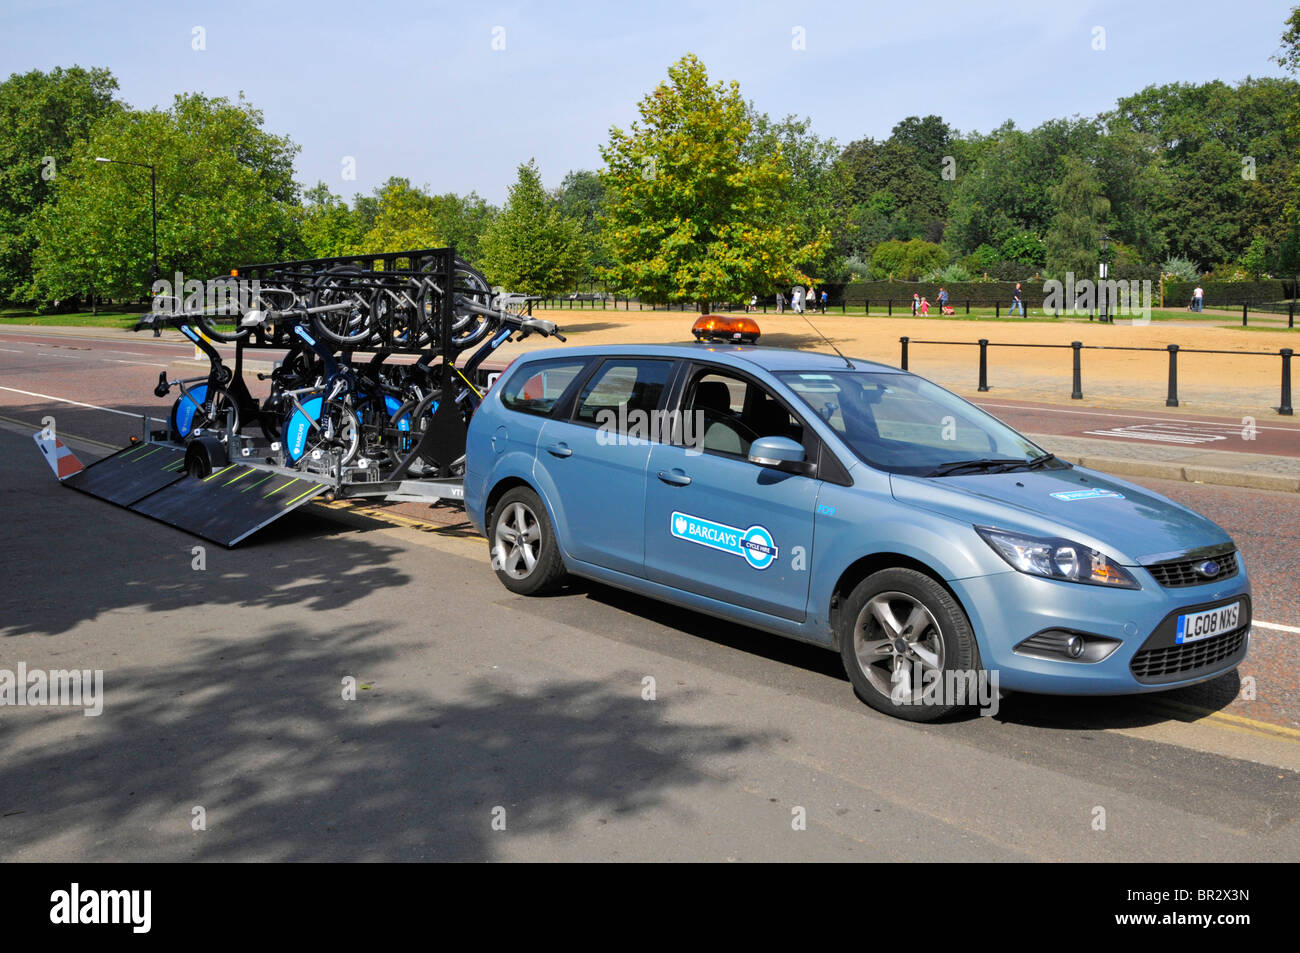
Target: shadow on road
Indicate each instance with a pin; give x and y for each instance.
(256, 732)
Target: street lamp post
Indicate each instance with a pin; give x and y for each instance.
(153, 213)
(1101, 270)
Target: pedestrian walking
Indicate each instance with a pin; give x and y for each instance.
(1017, 301)
(1198, 298)
(780, 302)
(925, 307)
(943, 298)
(916, 303)
(823, 299)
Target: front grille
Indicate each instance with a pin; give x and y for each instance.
(1183, 572)
(1176, 662)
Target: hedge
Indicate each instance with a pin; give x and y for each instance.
(1230, 293)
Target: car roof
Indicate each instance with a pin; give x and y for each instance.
(767, 358)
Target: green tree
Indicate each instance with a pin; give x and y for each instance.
(1255, 258)
(580, 197)
(326, 226)
(404, 221)
(226, 197)
(689, 215)
(43, 116)
(814, 185)
(1081, 216)
(533, 247)
(907, 261)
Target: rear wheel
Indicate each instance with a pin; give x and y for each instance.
(336, 430)
(350, 326)
(904, 640)
(204, 408)
(525, 554)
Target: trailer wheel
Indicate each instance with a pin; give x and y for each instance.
(524, 552)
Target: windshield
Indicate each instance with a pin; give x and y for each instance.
(904, 424)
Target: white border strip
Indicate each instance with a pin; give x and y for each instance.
(64, 400)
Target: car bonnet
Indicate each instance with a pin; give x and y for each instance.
(1113, 516)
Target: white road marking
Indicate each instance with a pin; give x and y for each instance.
(143, 363)
(1094, 413)
(64, 400)
(1138, 433)
(1274, 625)
(11, 350)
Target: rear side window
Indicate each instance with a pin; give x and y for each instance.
(535, 388)
(620, 388)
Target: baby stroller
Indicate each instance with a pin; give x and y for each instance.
(947, 309)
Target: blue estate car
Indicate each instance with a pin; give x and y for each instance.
(854, 506)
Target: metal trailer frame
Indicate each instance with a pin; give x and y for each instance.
(158, 488)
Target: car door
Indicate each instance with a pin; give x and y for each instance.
(716, 524)
(592, 464)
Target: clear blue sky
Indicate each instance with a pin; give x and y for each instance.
(416, 89)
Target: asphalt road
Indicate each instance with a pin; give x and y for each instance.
(1270, 436)
(223, 691)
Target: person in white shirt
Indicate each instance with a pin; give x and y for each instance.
(1198, 298)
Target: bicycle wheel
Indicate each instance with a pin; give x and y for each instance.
(344, 328)
(420, 419)
(203, 408)
(397, 314)
(467, 327)
(220, 314)
(336, 429)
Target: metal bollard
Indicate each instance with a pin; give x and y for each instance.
(984, 364)
(903, 341)
(866, 306)
(891, 305)
(1172, 399)
(997, 309)
(1290, 315)
(1285, 408)
(1243, 314)
(1077, 393)
(968, 305)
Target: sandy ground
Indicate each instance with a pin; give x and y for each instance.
(1234, 384)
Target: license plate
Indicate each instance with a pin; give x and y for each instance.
(1201, 625)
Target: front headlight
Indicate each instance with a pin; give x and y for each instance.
(1055, 558)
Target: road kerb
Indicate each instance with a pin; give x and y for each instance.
(1217, 476)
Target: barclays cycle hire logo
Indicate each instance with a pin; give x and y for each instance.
(755, 544)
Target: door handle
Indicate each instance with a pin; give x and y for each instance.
(559, 450)
(674, 477)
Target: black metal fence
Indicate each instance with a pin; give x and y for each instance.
(1078, 347)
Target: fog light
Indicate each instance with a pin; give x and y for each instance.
(1074, 646)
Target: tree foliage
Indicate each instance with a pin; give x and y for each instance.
(532, 246)
(691, 213)
(43, 117)
(225, 197)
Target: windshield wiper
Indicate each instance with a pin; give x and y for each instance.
(944, 469)
(1042, 461)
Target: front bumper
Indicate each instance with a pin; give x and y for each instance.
(1008, 607)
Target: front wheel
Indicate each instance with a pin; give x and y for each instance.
(525, 554)
(908, 647)
(204, 408)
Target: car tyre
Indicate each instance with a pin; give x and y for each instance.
(898, 628)
(525, 554)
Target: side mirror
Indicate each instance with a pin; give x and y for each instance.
(779, 453)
